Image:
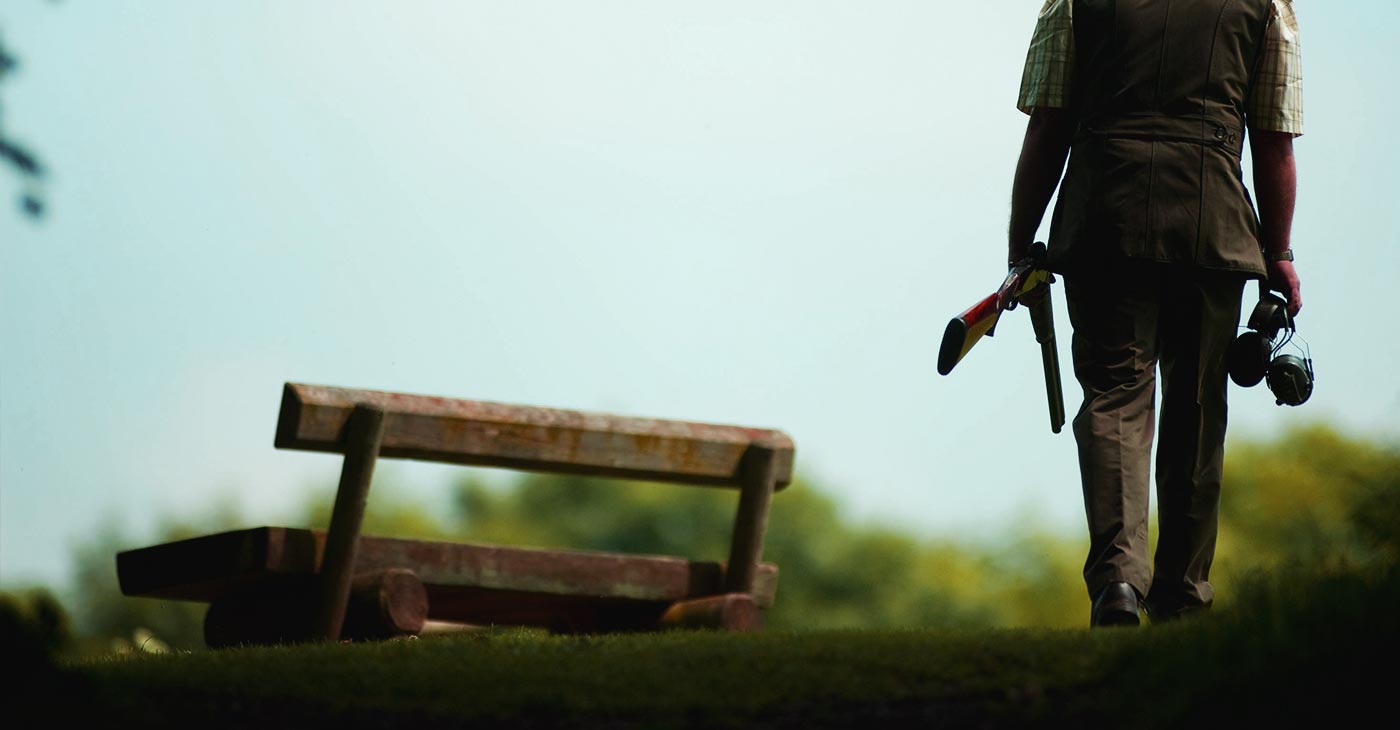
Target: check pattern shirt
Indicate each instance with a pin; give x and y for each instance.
(1275, 103)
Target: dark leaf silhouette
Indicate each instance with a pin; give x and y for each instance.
(24, 162)
(20, 158)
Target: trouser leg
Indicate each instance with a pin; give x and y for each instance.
(1115, 358)
(1198, 323)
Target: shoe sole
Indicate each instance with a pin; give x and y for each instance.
(1118, 618)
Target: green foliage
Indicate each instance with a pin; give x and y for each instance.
(110, 620)
(387, 513)
(1313, 498)
(598, 514)
(34, 630)
(33, 625)
(832, 573)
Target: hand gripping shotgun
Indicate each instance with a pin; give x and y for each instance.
(967, 329)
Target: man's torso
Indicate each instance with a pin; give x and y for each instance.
(1160, 90)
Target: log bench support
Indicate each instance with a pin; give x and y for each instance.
(382, 604)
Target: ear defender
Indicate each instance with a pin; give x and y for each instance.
(1253, 356)
(1291, 380)
(1248, 359)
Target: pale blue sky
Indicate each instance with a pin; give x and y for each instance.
(760, 213)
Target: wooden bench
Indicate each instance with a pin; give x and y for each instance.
(272, 584)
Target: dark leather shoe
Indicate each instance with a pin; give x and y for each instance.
(1116, 605)
(1160, 613)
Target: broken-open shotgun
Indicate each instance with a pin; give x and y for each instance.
(965, 330)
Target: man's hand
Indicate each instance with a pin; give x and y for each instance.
(1033, 296)
(1283, 278)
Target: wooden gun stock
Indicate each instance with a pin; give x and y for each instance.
(967, 329)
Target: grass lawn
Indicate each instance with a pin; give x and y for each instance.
(1291, 653)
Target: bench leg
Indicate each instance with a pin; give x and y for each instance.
(364, 432)
(755, 494)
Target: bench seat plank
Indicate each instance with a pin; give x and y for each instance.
(529, 438)
(454, 574)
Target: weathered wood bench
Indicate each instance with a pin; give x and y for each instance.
(272, 584)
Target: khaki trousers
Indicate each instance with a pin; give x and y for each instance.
(1128, 319)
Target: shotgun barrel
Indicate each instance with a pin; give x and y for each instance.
(1043, 322)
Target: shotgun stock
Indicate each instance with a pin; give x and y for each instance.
(967, 329)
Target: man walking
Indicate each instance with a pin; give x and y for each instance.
(1155, 236)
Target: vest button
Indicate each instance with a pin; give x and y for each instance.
(1220, 133)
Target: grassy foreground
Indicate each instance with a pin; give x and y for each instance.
(1291, 652)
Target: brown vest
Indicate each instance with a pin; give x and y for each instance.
(1154, 172)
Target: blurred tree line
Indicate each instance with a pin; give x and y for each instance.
(1313, 498)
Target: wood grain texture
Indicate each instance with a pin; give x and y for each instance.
(530, 438)
(202, 568)
(731, 612)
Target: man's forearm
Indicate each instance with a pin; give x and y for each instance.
(1276, 187)
(1043, 154)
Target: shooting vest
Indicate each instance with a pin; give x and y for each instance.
(1154, 172)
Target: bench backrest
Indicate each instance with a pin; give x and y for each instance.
(314, 418)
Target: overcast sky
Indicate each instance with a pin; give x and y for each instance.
(760, 213)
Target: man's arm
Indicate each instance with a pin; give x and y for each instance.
(1043, 153)
(1276, 187)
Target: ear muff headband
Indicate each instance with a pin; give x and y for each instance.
(1270, 316)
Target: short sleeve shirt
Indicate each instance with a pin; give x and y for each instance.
(1275, 103)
